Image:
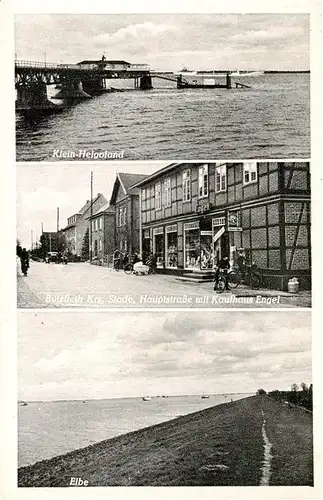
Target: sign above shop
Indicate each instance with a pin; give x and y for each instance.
(234, 222)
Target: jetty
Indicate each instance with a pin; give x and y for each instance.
(88, 79)
(253, 441)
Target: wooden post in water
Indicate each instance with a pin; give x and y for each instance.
(229, 86)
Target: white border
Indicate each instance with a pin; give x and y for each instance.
(8, 287)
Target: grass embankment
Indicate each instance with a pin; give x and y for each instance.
(192, 450)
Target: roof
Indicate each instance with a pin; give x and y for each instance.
(106, 209)
(148, 178)
(104, 61)
(87, 205)
(126, 181)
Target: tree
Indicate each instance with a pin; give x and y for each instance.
(260, 392)
(294, 387)
(304, 387)
(85, 252)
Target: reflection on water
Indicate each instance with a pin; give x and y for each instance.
(270, 120)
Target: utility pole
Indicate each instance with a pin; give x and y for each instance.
(57, 220)
(91, 222)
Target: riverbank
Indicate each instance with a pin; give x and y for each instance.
(219, 446)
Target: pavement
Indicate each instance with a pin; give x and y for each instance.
(78, 285)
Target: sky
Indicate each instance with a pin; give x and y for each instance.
(122, 354)
(43, 188)
(168, 42)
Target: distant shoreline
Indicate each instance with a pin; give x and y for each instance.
(219, 446)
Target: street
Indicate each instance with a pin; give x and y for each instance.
(83, 285)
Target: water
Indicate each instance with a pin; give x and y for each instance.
(270, 120)
(48, 429)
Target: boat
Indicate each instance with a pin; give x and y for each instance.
(205, 396)
(23, 403)
(246, 73)
(146, 398)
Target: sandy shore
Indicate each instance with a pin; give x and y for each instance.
(219, 446)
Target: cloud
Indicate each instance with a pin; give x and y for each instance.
(203, 41)
(102, 357)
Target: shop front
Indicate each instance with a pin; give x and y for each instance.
(195, 245)
(171, 247)
(159, 246)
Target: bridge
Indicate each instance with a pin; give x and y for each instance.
(83, 80)
(75, 81)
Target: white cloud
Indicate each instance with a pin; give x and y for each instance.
(72, 356)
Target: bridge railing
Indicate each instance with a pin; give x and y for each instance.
(37, 64)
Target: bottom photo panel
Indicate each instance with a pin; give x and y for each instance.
(186, 398)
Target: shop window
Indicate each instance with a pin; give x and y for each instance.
(186, 185)
(221, 178)
(249, 172)
(192, 249)
(206, 257)
(171, 246)
(203, 181)
(158, 196)
(167, 193)
(159, 246)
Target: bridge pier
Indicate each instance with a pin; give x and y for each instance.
(72, 90)
(94, 87)
(146, 83)
(34, 97)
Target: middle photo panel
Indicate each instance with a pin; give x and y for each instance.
(157, 234)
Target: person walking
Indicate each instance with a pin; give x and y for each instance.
(24, 260)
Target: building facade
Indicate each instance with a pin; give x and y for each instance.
(193, 214)
(102, 233)
(125, 200)
(78, 223)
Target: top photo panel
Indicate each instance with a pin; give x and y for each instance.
(162, 87)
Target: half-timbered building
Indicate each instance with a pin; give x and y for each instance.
(194, 213)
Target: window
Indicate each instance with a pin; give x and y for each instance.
(100, 223)
(249, 172)
(186, 185)
(167, 193)
(221, 178)
(120, 216)
(171, 246)
(203, 181)
(158, 196)
(124, 215)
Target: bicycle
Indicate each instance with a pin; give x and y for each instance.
(222, 281)
(251, 276)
